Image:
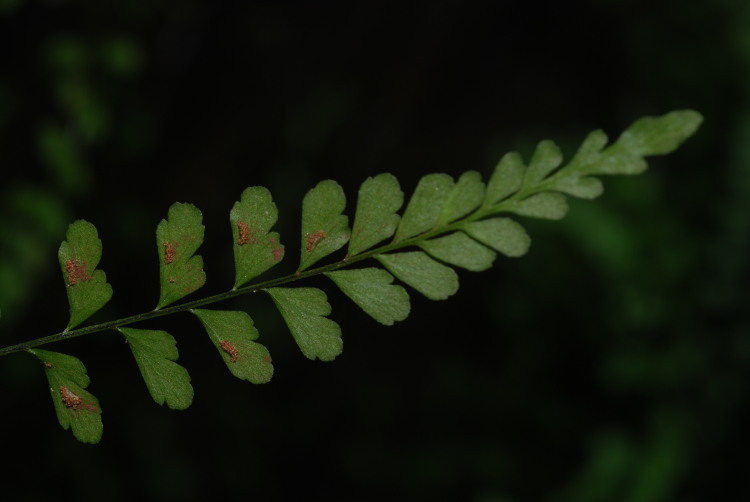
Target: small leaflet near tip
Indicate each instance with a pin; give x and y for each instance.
(546, 158)
(425, 206)
(460, 250)
(588, 153)
(76, 408)
(645, 137)
(501, 234)
(256, 248)
(506, 179)
(660, 135)
(86, 287)
(548, 205)
(465, 197)
(178, 238)
(586, 187)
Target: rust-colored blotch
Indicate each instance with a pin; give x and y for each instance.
(230, 349)
(244, 233)
(169, 252)
(76, 271)
(313, 239)
(69, 398)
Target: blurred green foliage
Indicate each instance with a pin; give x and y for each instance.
(610, 364)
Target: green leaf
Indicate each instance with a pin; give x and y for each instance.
(87, 288)
(324, 228)
(586, 187)
(76, 408)
(432, 279)
(547, 157)
(256, 248)
(589, 152)
(506, 179)
(371, 289)
(376, 219)
(460, 250)
(547, 205)
(156, 353)
(177, 239)
(233, 335)
(304, 310)
(647, 136)
(660, 135)
(501, 234)
(466, 196)
(423, 212)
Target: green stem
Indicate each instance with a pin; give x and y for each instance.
(480, 213)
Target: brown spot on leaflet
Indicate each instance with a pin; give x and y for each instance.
(313, 239)
(70, 399)
(230, 349)
(278, 253)
(244, 233)
(90, 407)
(76, 271)
(267, 359)
(47, 364)
(169, 251)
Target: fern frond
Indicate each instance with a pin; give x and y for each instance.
(445, 224)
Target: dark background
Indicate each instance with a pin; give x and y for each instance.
(609, 364)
